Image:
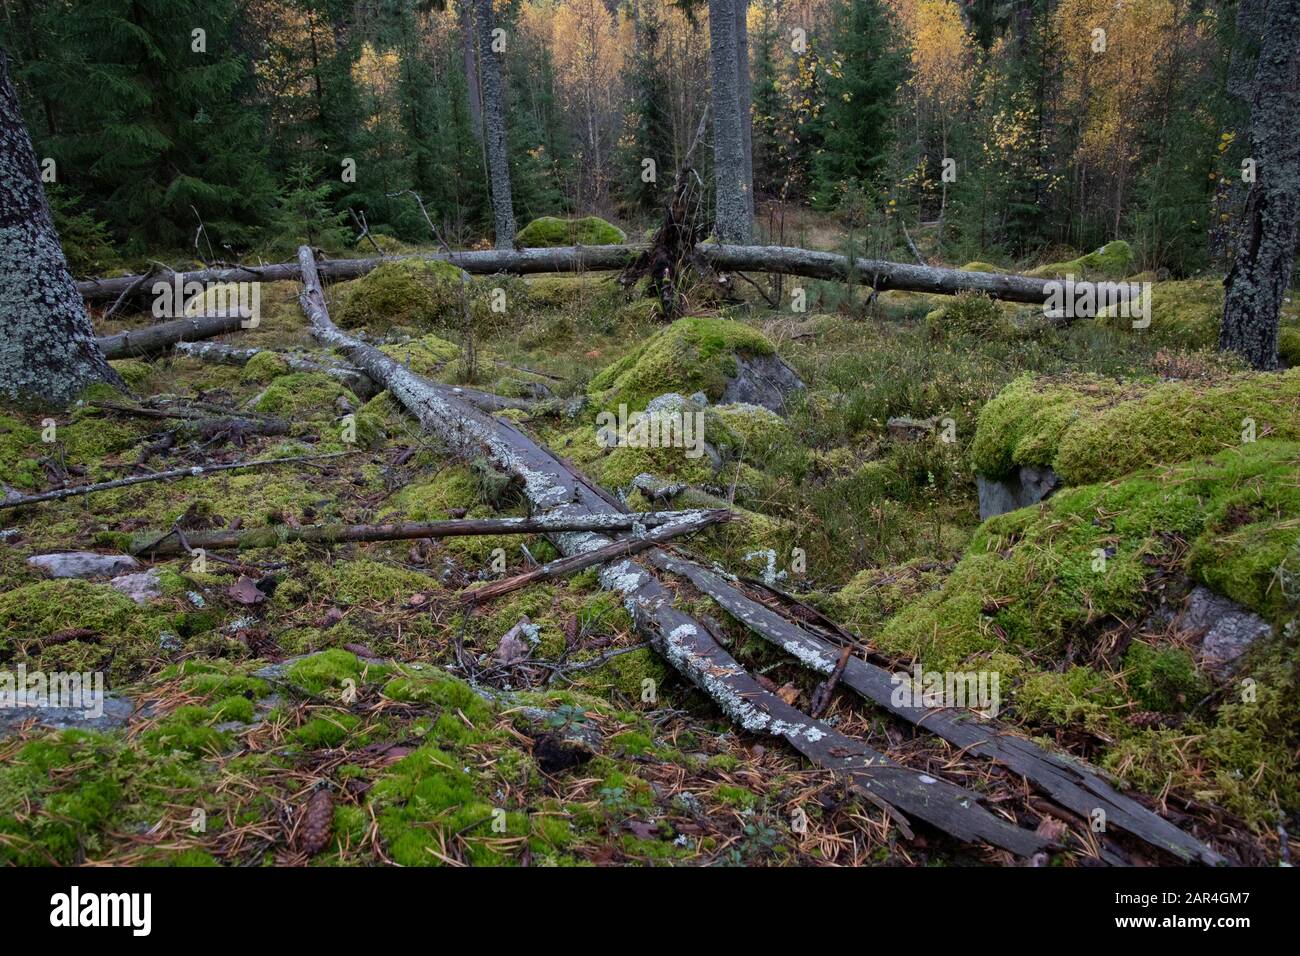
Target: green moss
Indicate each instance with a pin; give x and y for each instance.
(1188, 312)
(414, 293)
(969, 313)
(324, 733)
(874, 595)
(691, 355)
(1028, 577)
(18, 464)
(301, 396)
(1091, 429)
(134, 372)
(551, 231)
(1288, 346)
(264, 367)
(1080, 696)
(735, 796)
(748, 432)
(1163, 678)
(1112, 261)
(45, 607)
(425, 356)
(328, 670)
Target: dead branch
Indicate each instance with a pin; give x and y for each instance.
(585, 559)
(167, 543)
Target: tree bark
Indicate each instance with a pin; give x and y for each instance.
(743, 103)
(733, 205)
(880, 274)
(47, 346)
(494, 127)
(155, 339)
(1261, 271)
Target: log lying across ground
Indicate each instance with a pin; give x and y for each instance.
(156, 339)
(1070, 784)
(161, 543)
(686, 643)
(787, 260)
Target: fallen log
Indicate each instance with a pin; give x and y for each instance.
(163, 543)
(621, 548)
(193, 471)
(683, 641)
(156, 339)
(880, 274)
(1069, 783)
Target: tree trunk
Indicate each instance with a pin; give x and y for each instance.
(47, 346)
(743, 102)
(733, 204)
(1261, 271)
(880, 274)
(494, 128)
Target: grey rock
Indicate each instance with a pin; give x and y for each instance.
(116, 711)
(765, 380)
(903, 428)
(140, 588)
(84, 564)
(1226, 628)
(1027, 486)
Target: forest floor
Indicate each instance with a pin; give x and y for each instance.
(343, 705)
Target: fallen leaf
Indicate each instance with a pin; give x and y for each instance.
(245, 591)
(788, 693)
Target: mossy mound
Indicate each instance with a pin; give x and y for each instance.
(872, 596)
(426, 355)
(552, 231)
(1091, 429)
(412, 293)
(1188, 313)
(1032, 576)
(694, 354)
(1114, 260)
(303, 396)
(969, 313)
(978, 266)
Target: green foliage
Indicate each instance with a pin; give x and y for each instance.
(857, 123)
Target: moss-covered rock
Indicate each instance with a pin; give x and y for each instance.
(264, 367)
(552, 231)
(413, 293)
(1032, 576)
(1091, 429)
(1114, 260)
(694, 354)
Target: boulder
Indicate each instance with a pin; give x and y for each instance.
(1225, 629)
(1027, 485)
(84, 564)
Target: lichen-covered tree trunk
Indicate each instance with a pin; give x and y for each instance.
(1261, 271)
(494, 127)
(744, 99)
(734, 220)
(47, 347)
